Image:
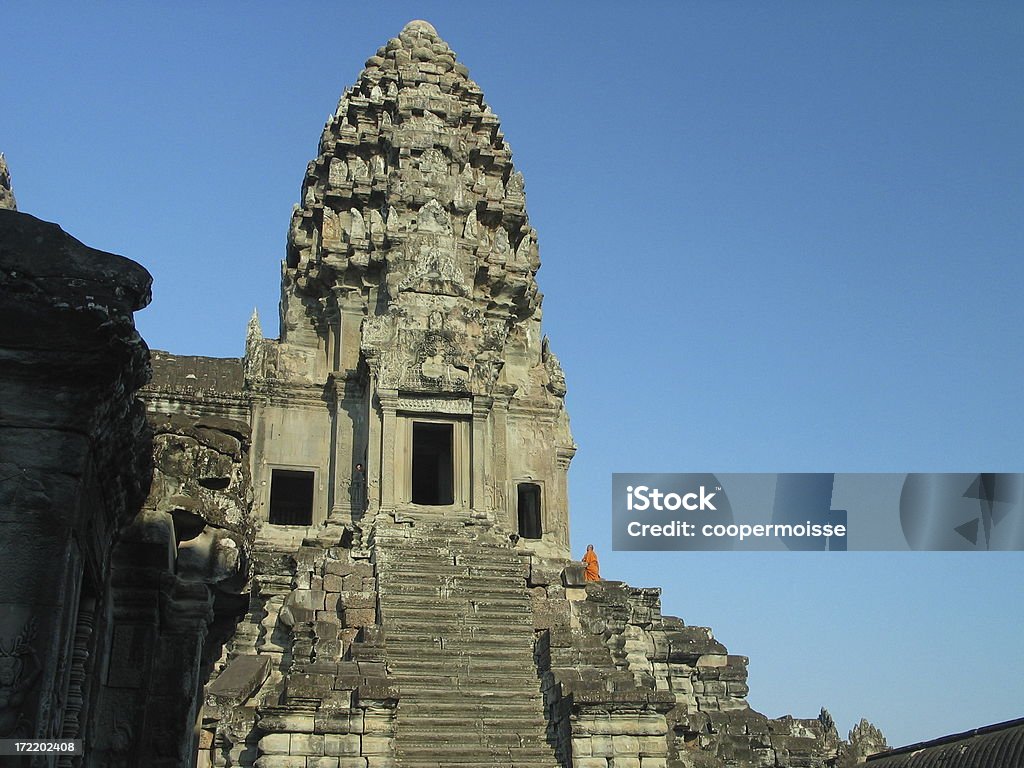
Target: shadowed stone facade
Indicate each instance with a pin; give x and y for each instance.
(75, 464)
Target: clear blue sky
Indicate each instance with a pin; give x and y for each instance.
(776, 237)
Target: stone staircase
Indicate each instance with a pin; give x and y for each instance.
(459, 637)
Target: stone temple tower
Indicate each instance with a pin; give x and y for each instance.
(412, 375)
(365, 521)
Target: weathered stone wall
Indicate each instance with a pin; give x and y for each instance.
(627, 686)
(179, 578)
(197, 386)
(303, 682)
(75, 462)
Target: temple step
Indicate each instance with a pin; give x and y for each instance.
(460, 647)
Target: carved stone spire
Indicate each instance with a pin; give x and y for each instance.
(253, 331)
(7, 201)
(414, 198)
(254, 348)
(413, 147)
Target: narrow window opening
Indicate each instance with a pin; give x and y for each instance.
(432, 476)
(529, 511)
(291, 497)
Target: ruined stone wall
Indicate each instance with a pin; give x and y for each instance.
(627, 686)
(180, 580)
(303, 682)
(75, 462)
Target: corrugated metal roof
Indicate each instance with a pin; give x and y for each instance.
(994, 746)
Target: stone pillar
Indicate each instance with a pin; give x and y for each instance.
(478, 482)
(503, 506)
(349, 448)
(557, 517)
(389, 409)
(75, 462)
(338, 504)
(173, 695)
(374, 445)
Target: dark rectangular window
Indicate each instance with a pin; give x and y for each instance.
(432, 475)
(529, 510)
(291, 497)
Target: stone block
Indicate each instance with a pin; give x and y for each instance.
(334, 722)
(333, 583)
(713, 660)
(378, 724)
(337, 568)
(653, 762)
(581, 747)
(360, 617)
(321, 762)
(275, 744)
(283, 723)
(329, 649)
(626, 745)
(351, 762)
(355, 721)
(737, 689)
(624, 762)
(293, 615)
(352, 581)
(357, 600)
(378, 745)
(306, 598)
(544, 572)
(589, 762)
(346, 745)
(601, 745)
(280, 761)
(306, 686)
(375, 690)
(549, 614)
(575, 594)
(687, 644)
(307, 744)
(372, 669)
(640, 725)
(572, 575)
(653, 746)
(327, 626)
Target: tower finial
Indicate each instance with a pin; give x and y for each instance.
(7, 200)
(419, 25)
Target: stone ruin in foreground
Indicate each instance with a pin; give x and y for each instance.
(354, 550)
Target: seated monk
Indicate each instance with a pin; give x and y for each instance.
(592, 573)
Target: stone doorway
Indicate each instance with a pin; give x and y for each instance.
(432, 464)
(528, 508)
(291, 497)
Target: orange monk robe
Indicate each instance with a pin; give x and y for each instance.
(592, 573)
